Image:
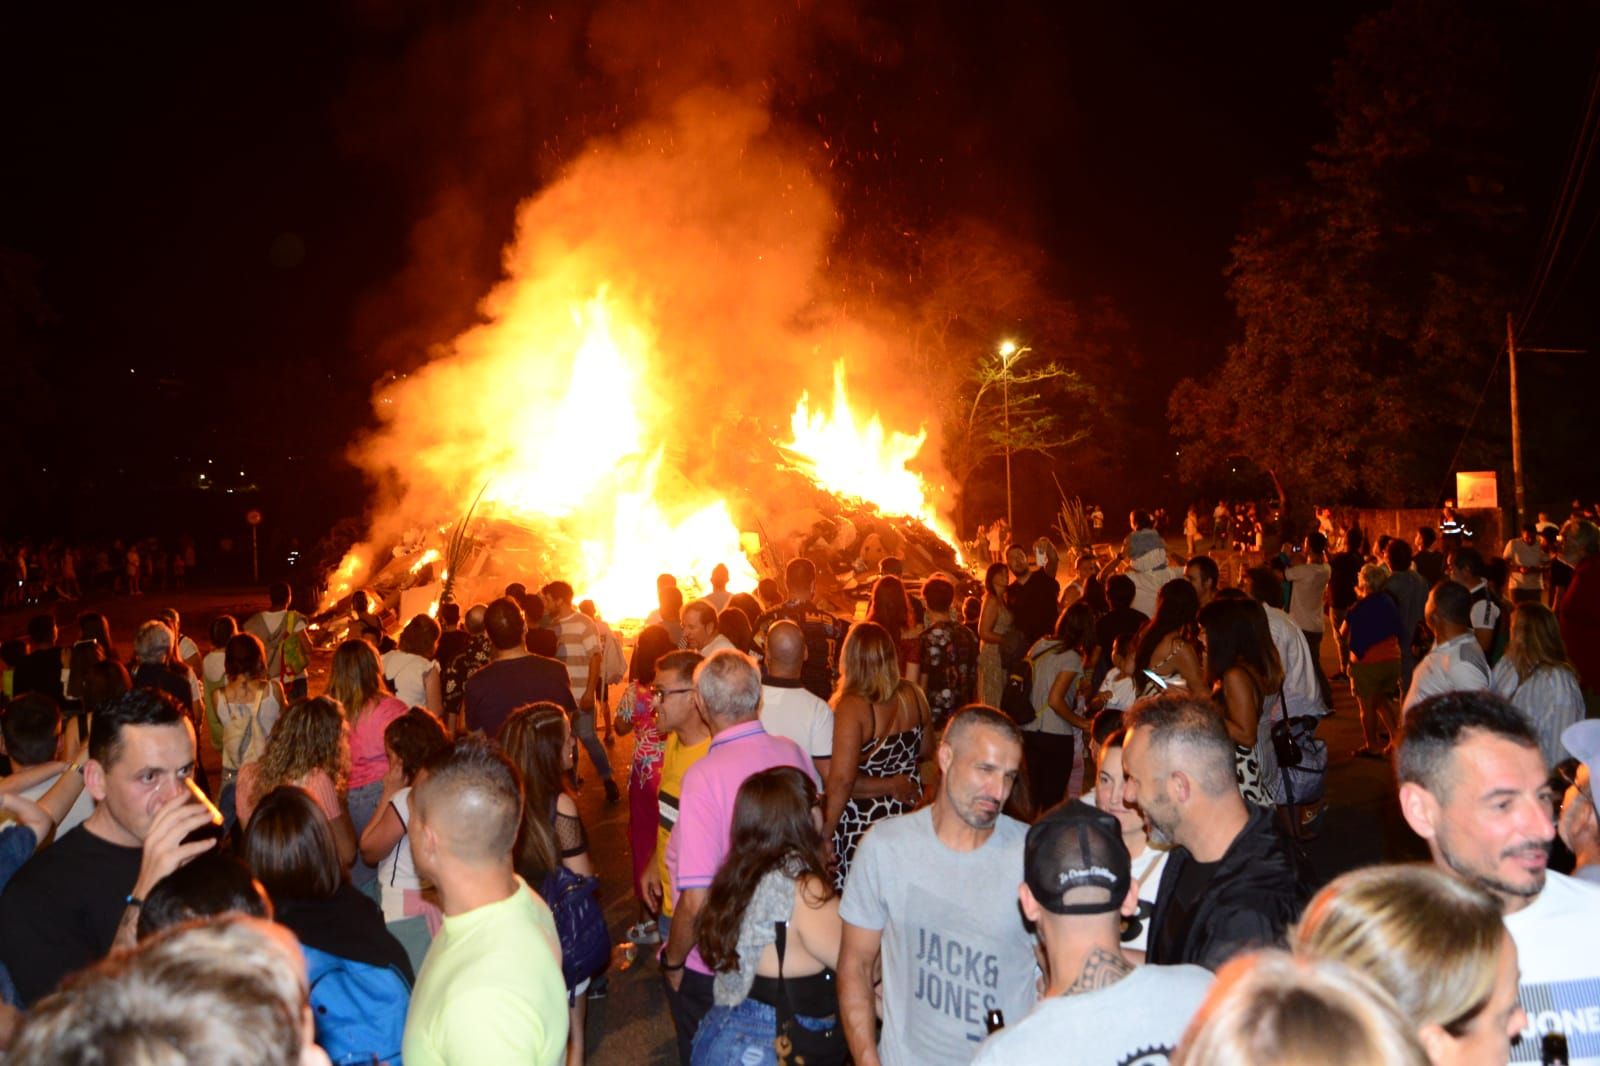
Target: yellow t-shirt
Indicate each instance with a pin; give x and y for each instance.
(676, 759)
(491, 991)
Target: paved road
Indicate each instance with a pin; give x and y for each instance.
(631, 1025)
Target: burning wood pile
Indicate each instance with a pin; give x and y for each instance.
(637, 396)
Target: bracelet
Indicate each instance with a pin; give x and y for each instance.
(133, 901)
(667, 967)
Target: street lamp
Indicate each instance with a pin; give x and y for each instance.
(1009, 351)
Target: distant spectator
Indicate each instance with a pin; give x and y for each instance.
(1536, 676)
(310, 749)
(281, 632)
(412, 670)
(356, 681)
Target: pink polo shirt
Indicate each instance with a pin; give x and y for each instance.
(699, 841)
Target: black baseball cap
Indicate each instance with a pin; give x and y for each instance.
(1074, 861)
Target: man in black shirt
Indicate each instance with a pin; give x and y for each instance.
(79, 897)
(1232, 883)
(1428, 560)
(1121, 619)
(516, 676)
(40, 669)
(1032, 597)
(824, 633)
(1344, 573)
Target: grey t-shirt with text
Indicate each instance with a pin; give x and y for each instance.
(954, 946)
(1135, 1022)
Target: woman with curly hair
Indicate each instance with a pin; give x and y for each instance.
(356, 681)
(770, 929)
(310, 748)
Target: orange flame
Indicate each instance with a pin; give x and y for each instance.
(860, 458)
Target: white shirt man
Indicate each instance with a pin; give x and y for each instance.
(789, 709)
(1474, 786)
(1455, 665)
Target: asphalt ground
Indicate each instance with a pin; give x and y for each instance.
(631, 1024)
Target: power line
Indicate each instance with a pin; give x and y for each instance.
(1566, 203)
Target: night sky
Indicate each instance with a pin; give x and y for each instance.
(240, 219)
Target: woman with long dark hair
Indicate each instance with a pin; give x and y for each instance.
(882, 730)
(1167, 643)
(636, 710)
(891, 608)
(770, 930)
(1247, 677)
(292, 853)
(994, 622)
(539, 742)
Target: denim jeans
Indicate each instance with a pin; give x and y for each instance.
(583, 726)
(742, 1035)
(363, 804)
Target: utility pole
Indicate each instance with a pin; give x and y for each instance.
(1516, 424)
(1516, 415)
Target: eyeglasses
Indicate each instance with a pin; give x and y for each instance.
(662, 693)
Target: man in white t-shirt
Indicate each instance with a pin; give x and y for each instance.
(788, 708)
(700, 630)
(1308, 581)
(1077, 886)
(1456, 663)
(1474, 786)
(925, 896)
(1528, 563)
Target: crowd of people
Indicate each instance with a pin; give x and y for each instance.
(39, 572)
(1060, 811)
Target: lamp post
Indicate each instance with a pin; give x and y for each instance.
(1008, 351)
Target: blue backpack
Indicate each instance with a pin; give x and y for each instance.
(360, 1009)
(580, 924)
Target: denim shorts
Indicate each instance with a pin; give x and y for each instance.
(743, 1035)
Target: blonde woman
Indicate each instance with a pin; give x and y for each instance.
(882, 729)
(1437, 944)
(309, 748)
(1538, 678)
(1268, 1009)
(356, 681)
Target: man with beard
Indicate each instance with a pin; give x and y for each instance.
(1473, 785)
(1031, 596)
(1232, 882)
(924, 893)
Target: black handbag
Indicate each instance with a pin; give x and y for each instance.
(795, 1044)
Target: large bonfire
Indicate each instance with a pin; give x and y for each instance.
(655, 387)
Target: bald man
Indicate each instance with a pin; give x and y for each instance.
(788, 708)
(491, 989)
